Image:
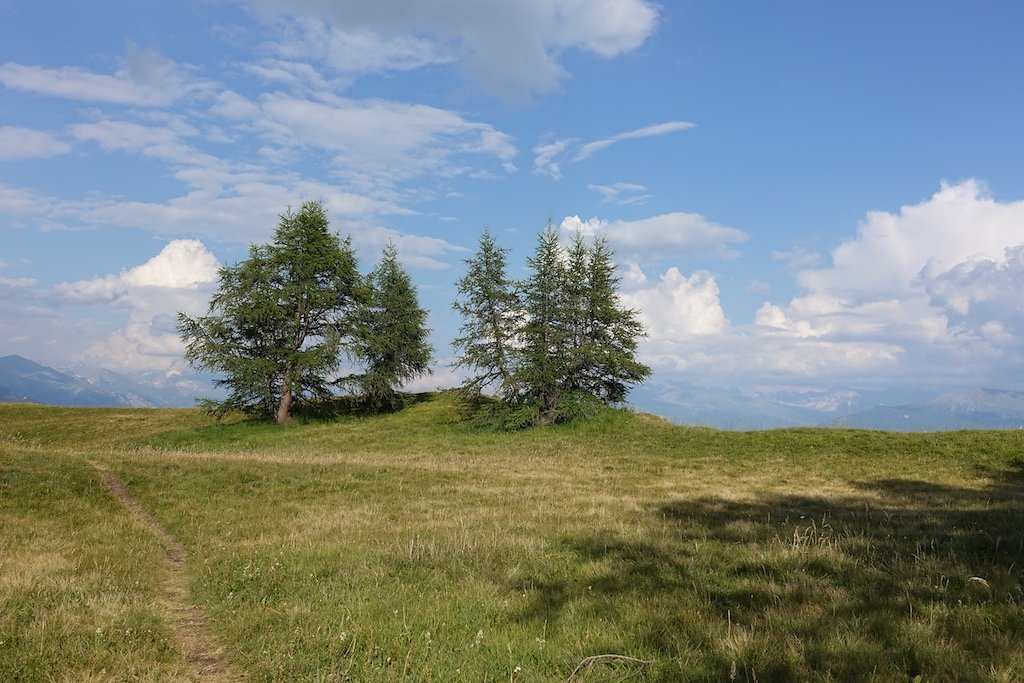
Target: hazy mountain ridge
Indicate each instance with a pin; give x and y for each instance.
(887, 409)
(971, 408)
(23, 380)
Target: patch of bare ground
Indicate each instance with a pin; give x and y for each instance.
(202, 650)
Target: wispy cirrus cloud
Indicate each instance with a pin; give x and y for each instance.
(549, 157)
(621, 193)
(664, 236)
(588, 149)
(797, 258)
(13, 286)
(146, 78)
(20, 201)
(384, 138)
(163, 142)
(359, 50)
(25, 143)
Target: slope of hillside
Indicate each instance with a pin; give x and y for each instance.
(414, 546)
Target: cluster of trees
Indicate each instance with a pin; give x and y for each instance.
(296, 323)
(555, 344)
(285, 322)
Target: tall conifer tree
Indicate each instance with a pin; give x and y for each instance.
(612, 332)
(576, 311)
(545, 333)
(490, 319)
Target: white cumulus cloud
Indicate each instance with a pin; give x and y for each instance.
(179, 278)
(927, 295)
(957, 223)
(678, 306)
(936, 284)
(182, 264)
(982, 294)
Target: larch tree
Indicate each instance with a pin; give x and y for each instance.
(576, 318)
(611, 332)
(557, 343)
(491, 316)
(545, 333)
(394, 334)
(281, 321)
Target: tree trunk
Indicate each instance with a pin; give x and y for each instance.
(548, 401)
(285, 406)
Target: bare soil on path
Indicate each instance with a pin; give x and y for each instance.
(202, 650)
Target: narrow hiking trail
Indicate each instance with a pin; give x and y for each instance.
(202, 650)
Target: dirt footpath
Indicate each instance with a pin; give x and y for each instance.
(202, 650)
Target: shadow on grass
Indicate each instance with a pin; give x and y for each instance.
(237, 430)
(905, 578)
(357, 406)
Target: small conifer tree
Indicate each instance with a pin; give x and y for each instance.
(393, 335)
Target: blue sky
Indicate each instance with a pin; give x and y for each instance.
(800, 194)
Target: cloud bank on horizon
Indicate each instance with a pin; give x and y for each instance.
(741, 198)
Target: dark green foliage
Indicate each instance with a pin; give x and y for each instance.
(393, 336)
(280, 320)
(562, 347)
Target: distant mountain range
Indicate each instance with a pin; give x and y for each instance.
(24, 380)
(887, 409)
(957, 409)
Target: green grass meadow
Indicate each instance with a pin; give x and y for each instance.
(417, 547)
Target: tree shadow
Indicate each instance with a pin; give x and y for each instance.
(901, 578)
(357, 406)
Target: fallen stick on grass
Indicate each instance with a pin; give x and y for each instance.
(587, 661)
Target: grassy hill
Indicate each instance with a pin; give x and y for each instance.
(415, 547)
